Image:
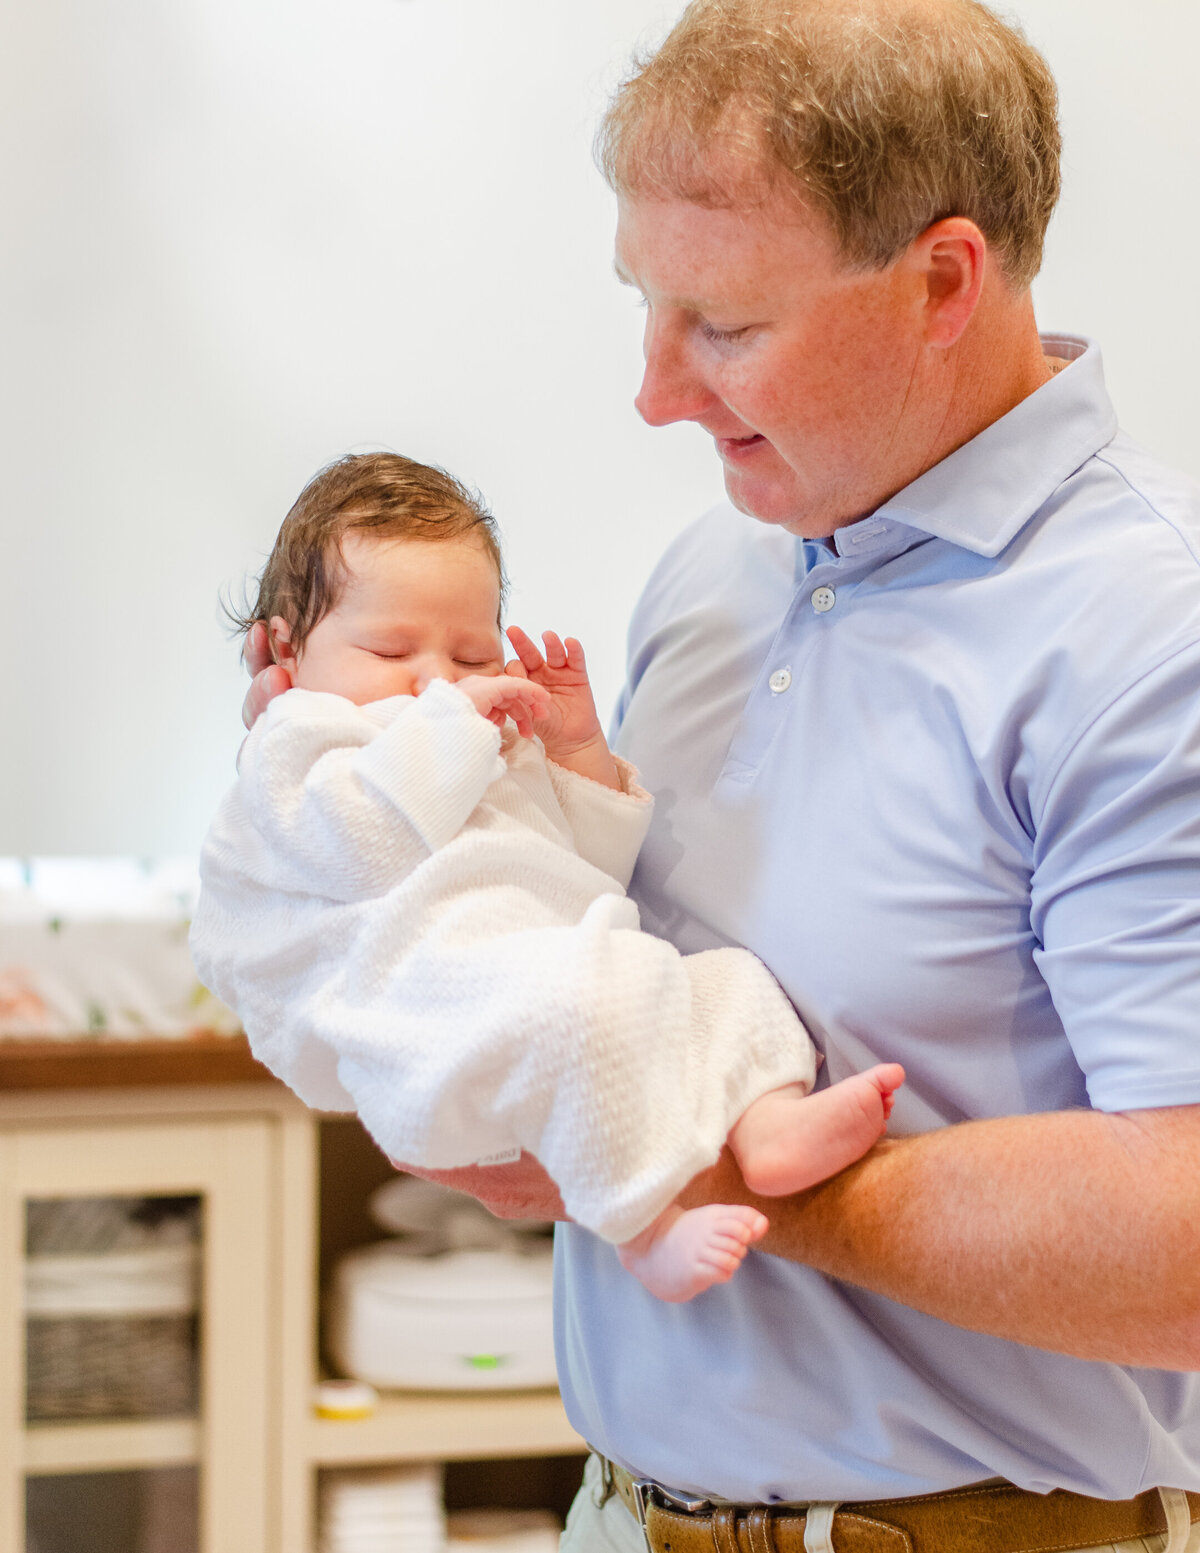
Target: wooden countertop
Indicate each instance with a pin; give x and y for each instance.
(111, 1064)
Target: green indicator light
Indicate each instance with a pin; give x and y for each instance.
(483, 1361)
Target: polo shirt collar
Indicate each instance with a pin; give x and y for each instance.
(984, 493)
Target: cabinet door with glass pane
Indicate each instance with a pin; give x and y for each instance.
(135, 1335)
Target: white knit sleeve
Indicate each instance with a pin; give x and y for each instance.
(608, 826)
(335, 807)
(348, 799)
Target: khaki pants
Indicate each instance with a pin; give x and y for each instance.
(611, 1529)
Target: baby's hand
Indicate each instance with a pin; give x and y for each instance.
(569, 728)
(498, 696)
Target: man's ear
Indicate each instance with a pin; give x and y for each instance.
(952, 256)
(279, 634)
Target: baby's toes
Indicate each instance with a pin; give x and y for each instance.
(746, 1224)
(722, 1265)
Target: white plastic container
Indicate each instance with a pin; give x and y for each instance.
(460, 1321)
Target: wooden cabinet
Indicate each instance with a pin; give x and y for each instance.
(251, 1153)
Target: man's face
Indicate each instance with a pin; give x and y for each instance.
(805, 374)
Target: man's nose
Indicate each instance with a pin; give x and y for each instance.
(671, 390)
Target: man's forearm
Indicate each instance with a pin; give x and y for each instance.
(1073, 1231)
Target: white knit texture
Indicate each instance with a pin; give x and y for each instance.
(394, 901)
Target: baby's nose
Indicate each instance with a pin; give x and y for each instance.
(431, 668)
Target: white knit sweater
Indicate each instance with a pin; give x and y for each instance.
(426, 923)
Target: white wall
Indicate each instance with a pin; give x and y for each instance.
(248, 235)
(1124, 246)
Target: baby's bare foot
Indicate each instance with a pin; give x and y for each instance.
(682, 1254)
(787, 1141)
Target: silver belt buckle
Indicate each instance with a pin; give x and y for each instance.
(646, 1491)
(641, 1489)
(683, 1502)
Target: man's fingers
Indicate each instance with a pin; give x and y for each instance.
(521, 1190)
(268, 679)
(256, 650)
(264, 687)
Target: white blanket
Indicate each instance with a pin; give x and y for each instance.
(426, 923)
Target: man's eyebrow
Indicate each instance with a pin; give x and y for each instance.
(686, 304)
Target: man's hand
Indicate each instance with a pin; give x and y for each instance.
(498, 697)
(569, 728)
(267, 680)
(521, 1190)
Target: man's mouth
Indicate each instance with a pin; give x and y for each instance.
(732, 449)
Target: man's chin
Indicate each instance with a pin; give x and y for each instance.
(765, 500)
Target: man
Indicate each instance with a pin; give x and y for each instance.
(923, 722)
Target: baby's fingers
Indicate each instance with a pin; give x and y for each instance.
(523, 701)
(535, 697)
(556, 653)
(575, 658)
(531, 702)
(526, 649)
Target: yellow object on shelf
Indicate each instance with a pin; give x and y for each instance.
(344, 1399)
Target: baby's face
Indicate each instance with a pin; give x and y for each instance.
(409, 612)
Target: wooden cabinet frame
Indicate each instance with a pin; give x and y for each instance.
(250, 1151)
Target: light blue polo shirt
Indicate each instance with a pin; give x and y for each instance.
(943, 776)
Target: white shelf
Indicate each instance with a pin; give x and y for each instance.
(447, 1426)
(111, 1447)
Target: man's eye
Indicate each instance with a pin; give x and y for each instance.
(721, 336)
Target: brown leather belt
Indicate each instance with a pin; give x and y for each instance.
(983, 1518)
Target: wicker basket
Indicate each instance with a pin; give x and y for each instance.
(110, 1367)
(111, 1300)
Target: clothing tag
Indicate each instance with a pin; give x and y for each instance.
(505, 1157)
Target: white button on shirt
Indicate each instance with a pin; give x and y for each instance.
(780, 680)
(823, 600)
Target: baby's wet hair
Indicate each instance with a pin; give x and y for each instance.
(381, 494)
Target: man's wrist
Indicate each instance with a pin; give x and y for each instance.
(807, 1226)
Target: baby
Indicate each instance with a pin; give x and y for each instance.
(414, 896)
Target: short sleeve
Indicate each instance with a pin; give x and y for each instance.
(1116, 891)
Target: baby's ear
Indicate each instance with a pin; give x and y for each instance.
(279, 633)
